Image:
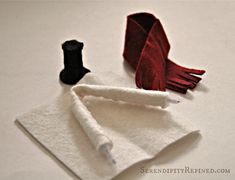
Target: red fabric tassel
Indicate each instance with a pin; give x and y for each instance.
(146, 50)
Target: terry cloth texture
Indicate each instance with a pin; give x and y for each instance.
(138, 132)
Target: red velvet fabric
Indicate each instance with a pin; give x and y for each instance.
(150, 71)
(146, 50)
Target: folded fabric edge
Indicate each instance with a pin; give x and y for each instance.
(173, 141)
(44, 149)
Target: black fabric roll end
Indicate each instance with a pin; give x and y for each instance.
(72, 77)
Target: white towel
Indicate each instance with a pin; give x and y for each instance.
(136, 131)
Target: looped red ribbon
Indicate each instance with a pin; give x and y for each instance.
(146, 50)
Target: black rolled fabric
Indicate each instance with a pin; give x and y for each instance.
(73, 65)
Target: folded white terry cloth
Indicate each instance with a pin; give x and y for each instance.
(136, 128)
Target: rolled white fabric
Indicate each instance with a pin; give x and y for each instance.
(129, 95)
(93, 130)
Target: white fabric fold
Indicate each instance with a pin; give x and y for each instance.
(137, 132)
(129, 95)
(93, 130)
